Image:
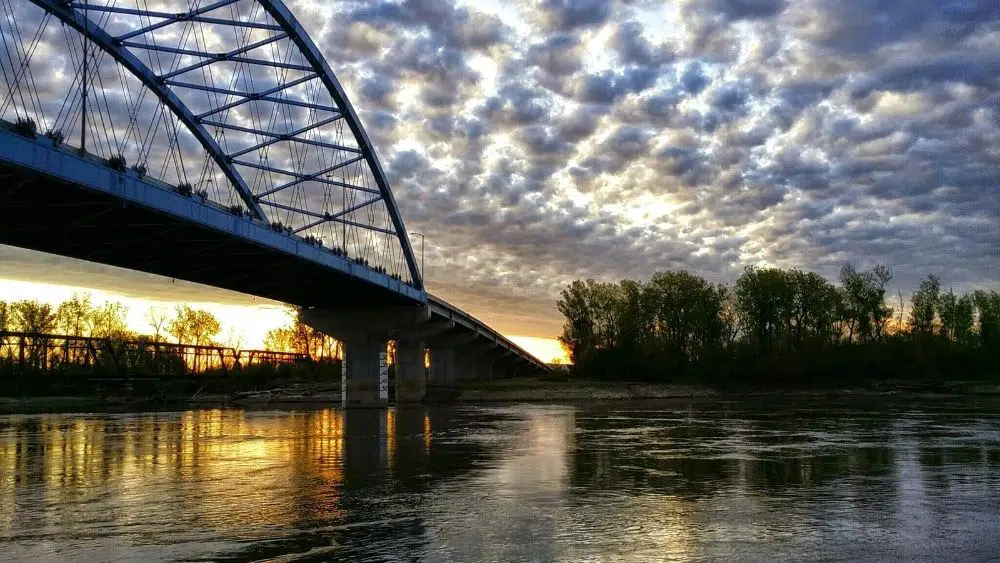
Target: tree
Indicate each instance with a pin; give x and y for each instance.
(686, 311)
(964, 319)
(814, 308)
(765, 300)
(280, 339)
(74, 317)
(957, 316)
(923, 306)
(32, 317)
(578, 330)
(193, 326)
(5, 320)
(301, 338)
(946, 305)
(773, 324)
(988, 308)
(864, 301)
(110, 321)
(157, 319)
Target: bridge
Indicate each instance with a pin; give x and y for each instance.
(212, 142)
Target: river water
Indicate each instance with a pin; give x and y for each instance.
(765, 479)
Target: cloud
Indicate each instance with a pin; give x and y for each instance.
(571, 14)
(544, 141)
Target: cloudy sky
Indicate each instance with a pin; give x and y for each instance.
(537, 142)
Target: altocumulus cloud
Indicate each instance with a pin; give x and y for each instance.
(535, 142)
(613, 139)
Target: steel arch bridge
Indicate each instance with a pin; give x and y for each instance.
(228, 99)
(206, 140)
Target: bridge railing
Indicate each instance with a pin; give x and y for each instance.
(24, 353)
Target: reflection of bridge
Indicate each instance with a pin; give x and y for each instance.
(213, 143)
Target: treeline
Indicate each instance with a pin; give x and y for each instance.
(300, 338)
(79, 316)
(777, 326)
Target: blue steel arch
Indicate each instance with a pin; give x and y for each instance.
(73, 14)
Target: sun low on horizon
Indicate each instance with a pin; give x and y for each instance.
(245, 324)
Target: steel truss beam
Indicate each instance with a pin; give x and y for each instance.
(105, 41)
(324, 217)
(210, 58)
(285, 26)
(281, 136)
(319, 174)
(283, 16)
(315, 177)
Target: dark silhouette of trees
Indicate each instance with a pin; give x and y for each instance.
(774, 325)
(987, 304)
(923, 305)
(864, 302)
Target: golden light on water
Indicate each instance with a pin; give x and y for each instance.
(427, 433)
(220, 468)
(390, 436)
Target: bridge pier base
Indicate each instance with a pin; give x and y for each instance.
(366, 362)
(411, 374)
(443, 365)
(484, 368)
(465, 366)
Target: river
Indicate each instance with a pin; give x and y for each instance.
(790, 479)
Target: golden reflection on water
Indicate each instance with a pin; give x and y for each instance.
(500, 483)
(427, 434)
(220, 468)
(390, 436)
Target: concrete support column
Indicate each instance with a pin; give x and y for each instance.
(502, 368)
(411, 375)
(365, 354)
(465, 366)
(484, 368)
(442, 365)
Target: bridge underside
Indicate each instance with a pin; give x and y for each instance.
(51, 215)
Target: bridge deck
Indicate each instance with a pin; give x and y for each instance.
(165, 233)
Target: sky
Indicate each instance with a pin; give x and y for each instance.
(532, 143)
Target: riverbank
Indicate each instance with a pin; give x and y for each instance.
(477, 392)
